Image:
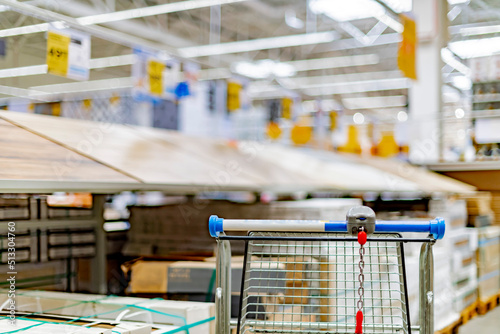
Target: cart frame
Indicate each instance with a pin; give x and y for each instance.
(218, 227)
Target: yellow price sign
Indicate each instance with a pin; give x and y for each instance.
(407, 48)
(286, 107)
(57, 53)
(155, 74)
(333, 120)
(233, 96)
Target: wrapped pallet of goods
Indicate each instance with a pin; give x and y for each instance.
(488, 263)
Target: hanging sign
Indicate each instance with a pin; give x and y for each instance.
(233, 95)
(286, 107)
(408, 47)
(333, 120)
(155, 77)
(68, 54)
(57, 53)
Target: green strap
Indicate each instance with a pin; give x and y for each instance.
(211, 286)
(40, 322)
(186, 327)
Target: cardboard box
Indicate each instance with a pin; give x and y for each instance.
(197, 277)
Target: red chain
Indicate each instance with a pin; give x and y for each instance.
(359, 315)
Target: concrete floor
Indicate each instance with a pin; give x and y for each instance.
(488, 323)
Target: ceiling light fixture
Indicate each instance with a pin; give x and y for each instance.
(263, 69)
(174, 7)
(402, 116)
(358, 118)
(96, 63)
(258, 44)
(123, 15)
(476, 47)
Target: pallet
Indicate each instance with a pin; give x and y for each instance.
(487, 305)
(466, 315)
(450, 329)
(469, 312)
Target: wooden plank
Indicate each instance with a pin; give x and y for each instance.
(244, 158)
(124, 148)
(428, 181)
(334, 171)
(26, 156)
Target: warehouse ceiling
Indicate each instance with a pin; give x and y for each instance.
(200, 34)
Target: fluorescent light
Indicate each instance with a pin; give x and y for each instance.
(215, 74)
(42, 27)
(42, 69)
(341, 10)
(357, 87)
(374, 102)
(112, 61)
(472, 31)
(400, 6)
(476, 47)
(264, 69)
(327, 80)
(83, 86)
(20, 92)
(23, 71)
(123, 15)
(358, 118)
(334, 62)
(303, 65)
(258, 44)
(152, 11)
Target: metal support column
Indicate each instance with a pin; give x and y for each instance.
(426, 289)
(99, 262)
(223, 290)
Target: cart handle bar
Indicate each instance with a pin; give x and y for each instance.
(216, 225)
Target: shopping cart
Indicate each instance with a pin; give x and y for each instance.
(312, 276)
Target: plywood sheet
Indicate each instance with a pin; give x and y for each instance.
(27, 156)
(124, 148)
(245, 158)
(335, 173)
(427, 180)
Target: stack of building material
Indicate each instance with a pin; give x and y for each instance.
(182, 227)
(479, 208)
(495, 206)
(195, 318)
(488, 262)
(444, 292)
(462, 245)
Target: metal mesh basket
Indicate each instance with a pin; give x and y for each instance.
(316, 276)
(311, 286)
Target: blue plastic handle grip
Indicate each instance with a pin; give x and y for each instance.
(436, 227)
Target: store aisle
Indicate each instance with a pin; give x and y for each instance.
(488, 323)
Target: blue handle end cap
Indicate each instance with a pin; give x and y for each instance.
(438, 228)
(215, 225)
